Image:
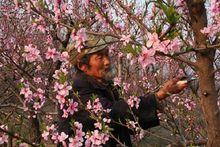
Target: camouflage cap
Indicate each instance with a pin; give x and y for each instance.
(92, 45)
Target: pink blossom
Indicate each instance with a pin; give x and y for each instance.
(98, 138)
(99, 17)
(64, 57)
(41, 28)
(36, 105)
(89, 105)
(63, 92)
(65, 113)
(79, 135)
(23, 145)
(106, 120)
(88, 142)
(153, 40)
(120, 54)
(174, 45)
(211, 30)
(3, 136)
(206, 30)
(37, 79)
(56, 86)
(126, 86)
(49, 39)
(97, 106)
(134, 101)
(51, 128)
(61, 98)
(31, 53)
(55, 137)
(74, 142)
(215, 7)
(64, 86)
(26, 92)
(64, 7)
(126, 39)
(78, 125)
(57, 3)
(62, 137)
(129, 56)
(72, 107)
(146, 57)
(85, 3)
(39, 93)
(180, 3)
(59, 72)
(117, 80)
(16, 3)
(131, 124)
(51, 54)
(163, 46)
(79, 38)
(45, 135)
(77, 141)
(189, 104)
(141, 134)
(38, 68)
(98, 125)
(82, 34)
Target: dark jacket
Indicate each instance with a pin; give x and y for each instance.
(87, 86)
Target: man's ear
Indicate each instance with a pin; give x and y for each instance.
(82, 67)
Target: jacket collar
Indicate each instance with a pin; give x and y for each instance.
(94, 82)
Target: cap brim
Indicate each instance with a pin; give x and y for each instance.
(96, 49)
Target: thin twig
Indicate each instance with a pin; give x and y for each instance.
(19, 138)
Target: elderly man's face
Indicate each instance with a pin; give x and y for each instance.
(99, 65)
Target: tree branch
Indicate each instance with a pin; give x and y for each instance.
(190, 63)
(18, 137)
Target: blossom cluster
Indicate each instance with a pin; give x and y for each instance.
(96, 107)
(3, 136)
(154, 44)
(31, 53)
(213, 27)
(56, 55)
(139, 133)
(36, 99)
(133, 101)
(62, 93)
(79, 38)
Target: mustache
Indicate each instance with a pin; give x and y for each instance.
(110, 73)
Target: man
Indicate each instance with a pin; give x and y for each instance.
(92, 65)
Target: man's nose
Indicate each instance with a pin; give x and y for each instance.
(106, 61)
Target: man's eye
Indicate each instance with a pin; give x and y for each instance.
(99, 57)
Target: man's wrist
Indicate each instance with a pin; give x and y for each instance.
(161, 94)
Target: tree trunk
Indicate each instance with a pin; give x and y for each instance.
(205, 60)
(35, 134)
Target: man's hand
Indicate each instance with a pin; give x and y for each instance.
(172, 86)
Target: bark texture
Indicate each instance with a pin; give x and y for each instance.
(205, 59)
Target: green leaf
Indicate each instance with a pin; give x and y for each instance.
(129, 49)
(93, 97)
(42, 145)
(63, 78)
(20, 85)
(188, 48)
(173, 34)
(159, 29)
(41, 3)
(170, 12)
